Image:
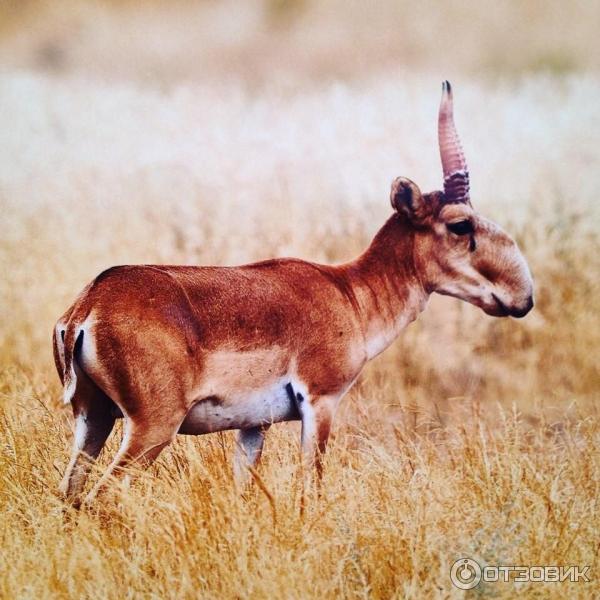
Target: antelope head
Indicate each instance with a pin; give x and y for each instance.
(457, 251)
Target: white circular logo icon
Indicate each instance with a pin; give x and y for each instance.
(465, 573)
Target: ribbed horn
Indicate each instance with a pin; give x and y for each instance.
(454, 165)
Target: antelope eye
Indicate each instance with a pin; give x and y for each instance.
(460, 227)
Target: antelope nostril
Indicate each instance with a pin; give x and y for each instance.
(529, 303)
(521, 312)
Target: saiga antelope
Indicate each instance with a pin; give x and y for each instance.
(192, 350)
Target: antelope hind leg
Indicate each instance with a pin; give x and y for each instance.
(143, 440)
(94, 420)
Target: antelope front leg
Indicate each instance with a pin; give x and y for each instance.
(248, 450)
(317, 416)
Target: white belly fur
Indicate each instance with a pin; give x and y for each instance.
(242, 390)
(250, 409)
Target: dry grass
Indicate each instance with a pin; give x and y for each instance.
(396, 511)
(471, 436)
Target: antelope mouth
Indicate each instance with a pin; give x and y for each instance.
(501, 310)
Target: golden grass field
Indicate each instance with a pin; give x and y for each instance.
(221, 133)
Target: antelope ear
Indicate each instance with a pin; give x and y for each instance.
(406, 198)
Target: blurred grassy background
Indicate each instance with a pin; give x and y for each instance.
(224, 132)
(292, 42)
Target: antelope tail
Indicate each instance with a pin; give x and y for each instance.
(72, 339)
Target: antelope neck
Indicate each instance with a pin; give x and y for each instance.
(386, 284)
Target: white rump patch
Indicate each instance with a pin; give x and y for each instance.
(87, 357)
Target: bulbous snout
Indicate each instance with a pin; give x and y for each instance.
(512, 285)
(512, 294)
